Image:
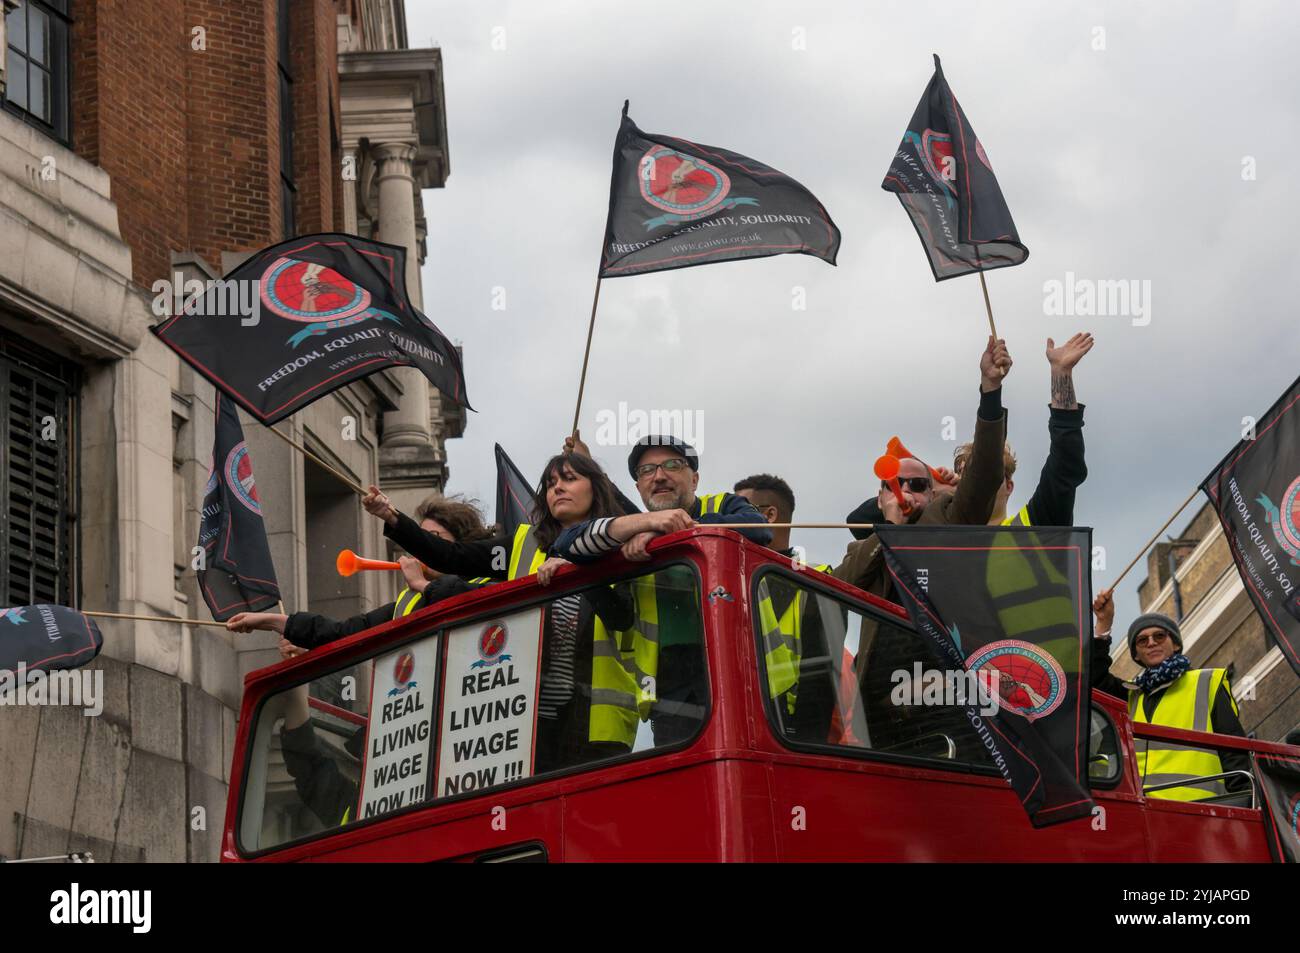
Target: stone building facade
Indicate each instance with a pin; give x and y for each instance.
(1192, 579)
(143, 141)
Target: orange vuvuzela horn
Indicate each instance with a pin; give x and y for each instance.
(349, 563)
(895, 448)
(887, 469)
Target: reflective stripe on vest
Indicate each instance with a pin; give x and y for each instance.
(1186, 704)
(711, 503)
(1020, 519)
(479, 581)
(624, 666)
(406, 602)
(783, 643)
(1033, 600)
(525, 555)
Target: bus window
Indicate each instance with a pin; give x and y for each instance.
(304, 771)
(835, 675)
(604, 672)
(1104, 761)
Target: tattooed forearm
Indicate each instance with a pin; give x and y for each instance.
(1063, 390)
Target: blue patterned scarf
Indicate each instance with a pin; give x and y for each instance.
(1164, 673)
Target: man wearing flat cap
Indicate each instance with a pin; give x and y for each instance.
(1170, 692)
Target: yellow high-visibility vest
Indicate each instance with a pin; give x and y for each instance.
(1020, 519)
(710, 503)
(783, 643)
(406, 602)
(1186, 704)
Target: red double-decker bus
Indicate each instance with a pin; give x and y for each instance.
(428, 738)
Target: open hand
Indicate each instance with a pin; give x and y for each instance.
(1071, 352)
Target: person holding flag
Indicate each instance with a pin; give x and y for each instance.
(973, 501)
(574, 727)
(1171, 693)
(446, 518)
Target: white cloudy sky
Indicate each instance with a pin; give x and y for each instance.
(1123, 163)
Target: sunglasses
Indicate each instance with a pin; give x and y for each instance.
(669, 466)
(1152, 639)
(915, 484)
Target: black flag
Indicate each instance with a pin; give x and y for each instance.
(945, 181)
(45, 638)
(675, 203)
(514, 497)
(239, 576)
(1255, 490)
(1011, 602)
(1279, 782)
(305, 317)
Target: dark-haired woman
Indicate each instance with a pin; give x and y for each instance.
(572, 489)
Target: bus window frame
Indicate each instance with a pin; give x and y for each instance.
(1120, 753)
(850, 752)
(366, 653)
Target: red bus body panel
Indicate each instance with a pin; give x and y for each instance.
(737, 793)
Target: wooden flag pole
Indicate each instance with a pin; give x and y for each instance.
(988, 307)
(150, 618)
(1148, 544)
(586, 355)
(343, 478)
(792, 525)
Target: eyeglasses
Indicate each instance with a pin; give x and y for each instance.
(1152, 639)
(669, 466)
(915, 484)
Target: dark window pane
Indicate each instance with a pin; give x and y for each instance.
(38, 94)
(16, 29)
(38, 35)
(16, 73)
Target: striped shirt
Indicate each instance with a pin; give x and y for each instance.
(557, 679)
(595, 539)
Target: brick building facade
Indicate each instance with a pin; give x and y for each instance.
(141, 140)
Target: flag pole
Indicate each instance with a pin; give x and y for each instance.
(792, 525)
(343, 478)
(582, 381)
(1147, 545)
(988, 307)
(150, 618)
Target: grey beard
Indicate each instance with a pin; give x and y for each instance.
(656, 506)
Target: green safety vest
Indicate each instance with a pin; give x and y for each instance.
(783, 643)
(709, 503)
(1031, 597)
(1187, 704)
(621, 660)
(1020, 519)
(406, 602)
(408, 598)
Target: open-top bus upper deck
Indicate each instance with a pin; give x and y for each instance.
(432, 737)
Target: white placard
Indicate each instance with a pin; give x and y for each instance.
(402, 702)
(489, 705)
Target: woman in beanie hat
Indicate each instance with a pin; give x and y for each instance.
(1170, 692)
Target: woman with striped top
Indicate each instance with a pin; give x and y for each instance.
(573, 489)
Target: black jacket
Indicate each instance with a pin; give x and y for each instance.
(316, 776)
(1052, 503)
(308, 630)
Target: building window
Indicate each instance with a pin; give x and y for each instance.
(36, 65)
(288, 190)
(37, 491)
